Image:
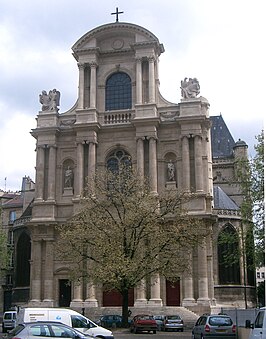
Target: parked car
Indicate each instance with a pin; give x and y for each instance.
(173, 322)
(9, 321)
(66, 316)
(214, 326)
(159, 321)
(48, 329)
(142, 323)
(258, 329)
(110, 320)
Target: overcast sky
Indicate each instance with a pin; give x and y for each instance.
(220, 42)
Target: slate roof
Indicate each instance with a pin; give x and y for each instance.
(16, 202)
(222, 200)
(221, 138)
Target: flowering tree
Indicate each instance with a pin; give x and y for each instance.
(128, 234)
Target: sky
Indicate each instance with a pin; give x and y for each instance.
(220, 42)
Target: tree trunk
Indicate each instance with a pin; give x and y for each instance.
(125, 310)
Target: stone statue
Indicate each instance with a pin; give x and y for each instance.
(190, 88)
(68, 178)
(51, 101)
(171, 171)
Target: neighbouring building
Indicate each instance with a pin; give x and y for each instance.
(16, 211)
(119, 113)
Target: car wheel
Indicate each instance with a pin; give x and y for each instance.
(135, 330)
(182, 330)
(4, 329)
(154, 331)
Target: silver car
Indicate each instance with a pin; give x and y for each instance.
(44, 329)
(214, 326)
(173, 323)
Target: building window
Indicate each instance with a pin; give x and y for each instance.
(117, 160)
(228, 256)
(262, 275)
(118, 92)
(23, 252)
(119, 163)
(258, 274)
(12, 217)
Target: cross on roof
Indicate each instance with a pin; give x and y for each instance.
(116, 12)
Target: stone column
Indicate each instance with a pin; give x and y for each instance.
(210, 270)
(39, 173)
(202, 274)
(77, 294)
(51, 173)
(138, 81)
(151, 80)
(80, 170)
(153, 164)
(188, 284)
(155, 291)
(91, 164)
(91, 300)
(185, 164)
(140, 158)
(48, 275)
(93, 67)
(141, 295)
(81, 86)
(198, 163)
(36, 280)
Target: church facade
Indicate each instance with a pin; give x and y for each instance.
(120, 113)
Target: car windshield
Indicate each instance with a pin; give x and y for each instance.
(8, 316)
(173, 317)
(146, 317)
(220, 321)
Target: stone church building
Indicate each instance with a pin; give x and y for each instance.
(120, 113)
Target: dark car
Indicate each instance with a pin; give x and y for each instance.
(214, 326)
(173, 323)
(159, 321)
(142, 323)
(110, 321)
(47, 329)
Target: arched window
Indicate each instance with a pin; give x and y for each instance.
(118, 93)
(119, 163)
(228, 256)
(118, 160)
(23, 261)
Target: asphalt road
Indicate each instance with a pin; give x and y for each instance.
(125, 334)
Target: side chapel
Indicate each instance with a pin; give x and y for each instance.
(120, 113)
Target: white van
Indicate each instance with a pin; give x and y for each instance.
(65, 316)
(259, 327)
(9, 321)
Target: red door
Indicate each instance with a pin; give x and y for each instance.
(172, 293)
(114, 298)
